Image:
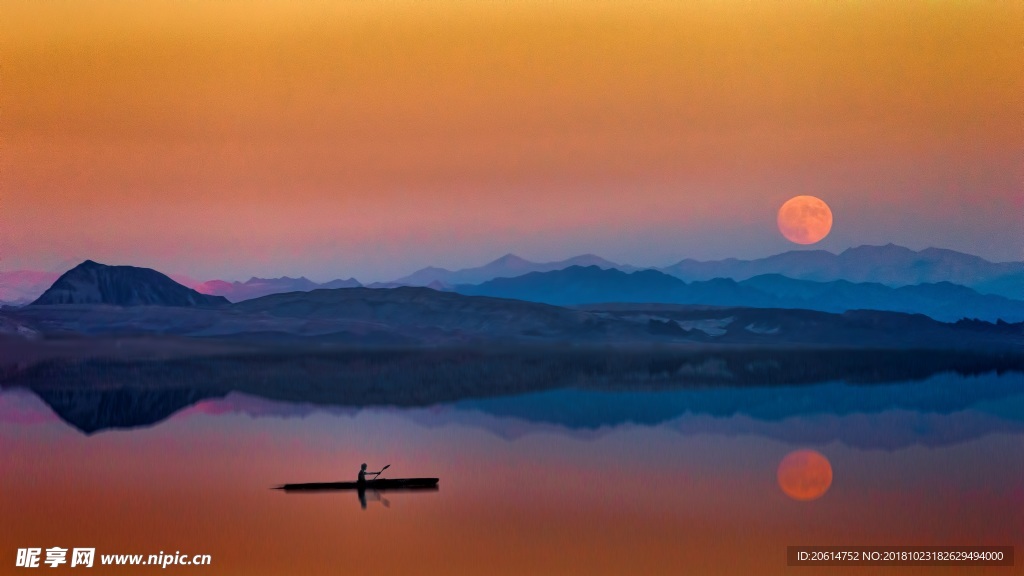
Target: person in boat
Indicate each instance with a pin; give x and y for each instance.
(362, 474)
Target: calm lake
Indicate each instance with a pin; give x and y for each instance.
(567, 481)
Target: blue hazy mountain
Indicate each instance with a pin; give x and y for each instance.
(1010, 285)
(508, 265)
(591, 285)
(890, 265)
(94, 283)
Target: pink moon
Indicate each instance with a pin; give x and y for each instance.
(805, 219)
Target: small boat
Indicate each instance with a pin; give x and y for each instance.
(382, 484)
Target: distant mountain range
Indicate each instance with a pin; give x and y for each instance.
(890, 265)
(94, 283)
(591, 285)
(257, 287)
(136, 301)
(507, 266)
(121, 346)
(97, 300)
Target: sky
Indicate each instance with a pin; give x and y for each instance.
(332, 139)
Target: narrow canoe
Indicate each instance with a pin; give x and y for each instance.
(383, 484)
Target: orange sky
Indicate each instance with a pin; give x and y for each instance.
(225, 139)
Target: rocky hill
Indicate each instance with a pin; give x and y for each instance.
(94, 283)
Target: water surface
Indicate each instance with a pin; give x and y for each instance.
(557, 482)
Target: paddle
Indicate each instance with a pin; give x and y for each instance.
(377, 475)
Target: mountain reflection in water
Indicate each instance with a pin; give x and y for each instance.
(563, 480)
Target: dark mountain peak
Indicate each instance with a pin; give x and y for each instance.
(94, 283)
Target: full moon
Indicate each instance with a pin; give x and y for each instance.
(805, 219)
(804, 475)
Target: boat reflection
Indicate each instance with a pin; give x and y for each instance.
(362, 492)
(376, 495)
